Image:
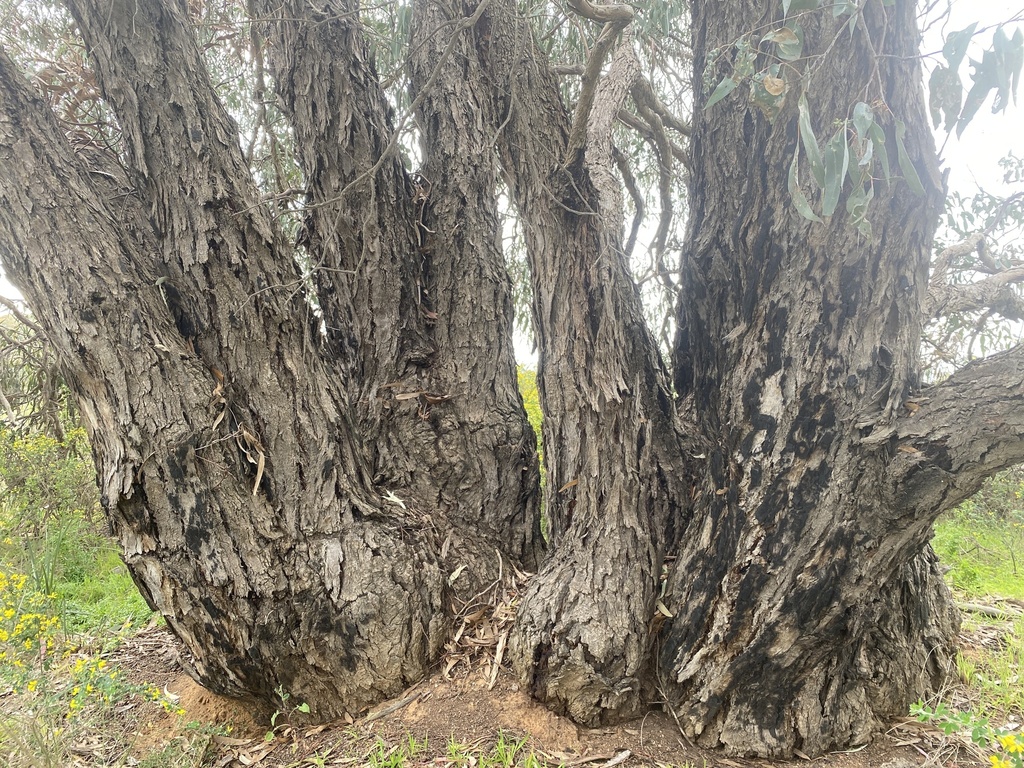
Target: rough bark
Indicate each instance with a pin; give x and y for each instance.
(807, 607)
(293, 487)
(415, 301)
(230, 465)
(300, 584)
(614, 490)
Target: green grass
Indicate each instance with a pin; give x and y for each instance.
(984, 551)
(982, 543)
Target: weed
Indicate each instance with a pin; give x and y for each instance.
(1006, 747)
(982, 544)
(504, 751)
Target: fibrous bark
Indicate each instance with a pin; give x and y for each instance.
(236, 462)
(615, 484)
(415, 302)
(807, 606)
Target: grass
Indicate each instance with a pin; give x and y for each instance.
(982, 544)
(984, 551)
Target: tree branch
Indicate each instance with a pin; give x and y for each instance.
(630, 120)
(992, 293)
(645, 100)
(622, 162)
(20, 316)
(609, 96)
(615, 19)
(955, 434)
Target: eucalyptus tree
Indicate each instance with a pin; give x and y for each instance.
(309, 440)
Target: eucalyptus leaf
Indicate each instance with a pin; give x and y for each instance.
(868, 152)
(746, 55)
(837, 160)
(810, 142)
(768, 94)
(1017, 61)
(799, 5)
(945, 94)
(956, 46)
(782, 35)
(906, 165)
(863, 119)
(842, 7)
(878, 142)
(857, 206)
(724, 88)
(985, 80)
(789, 42)
(799, 198)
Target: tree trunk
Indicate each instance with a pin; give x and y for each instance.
(299, 461)
(236, 468)
(410, 274)
(807, 605)
(616, 489)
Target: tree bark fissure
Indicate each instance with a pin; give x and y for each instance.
(236, 573)
(438, 402)
(794, 338)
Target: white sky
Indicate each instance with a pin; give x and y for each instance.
(973, 159)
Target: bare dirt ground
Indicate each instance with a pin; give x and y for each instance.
(465, 709)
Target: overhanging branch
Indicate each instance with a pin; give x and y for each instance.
(994, 293)
(955, 434)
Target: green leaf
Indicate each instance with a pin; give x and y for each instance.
(1001, 51)
(906, 166)
(984, 78)
(303, 707)
(857, 206)
(837, 161)
(999, 69)
(844, 6)
(956, 46)
(1009, 56)
(1016, 61)
(863, 119)
(789, 42)
(878, 142)
(768, 93)
(810, 142)
(799, 198)
(746, 54)
(724, 88)
(799, 5)
(867, 153)
(944, 96)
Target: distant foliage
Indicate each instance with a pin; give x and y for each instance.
(42, 477)
(531, 401)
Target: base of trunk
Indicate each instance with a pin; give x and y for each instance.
(887, 650)
(581, 644)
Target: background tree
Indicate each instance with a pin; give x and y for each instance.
(308, 436)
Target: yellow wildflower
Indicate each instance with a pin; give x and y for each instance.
(1012, 744)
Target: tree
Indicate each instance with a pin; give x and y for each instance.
(313, 453)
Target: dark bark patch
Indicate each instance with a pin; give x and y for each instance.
(777, 326)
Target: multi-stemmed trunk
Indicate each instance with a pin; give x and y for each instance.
(311, 459)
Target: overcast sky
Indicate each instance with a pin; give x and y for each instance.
(973, 159)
